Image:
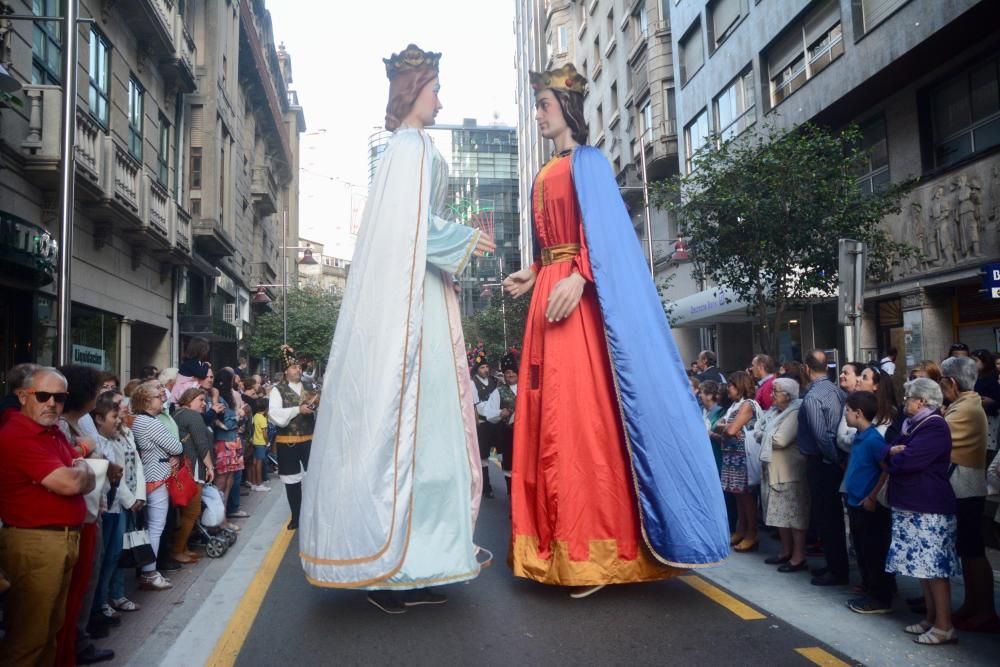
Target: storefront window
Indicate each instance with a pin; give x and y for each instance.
(94, 338)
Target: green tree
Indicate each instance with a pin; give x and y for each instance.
(763, 214)
(312, 317)
(487, 325)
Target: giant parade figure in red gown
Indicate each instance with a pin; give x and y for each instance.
(613, 478)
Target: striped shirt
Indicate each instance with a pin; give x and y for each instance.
(156, 445)
(819, 416)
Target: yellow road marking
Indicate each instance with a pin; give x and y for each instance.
(820, 657)
(744, 611)
(231, 642)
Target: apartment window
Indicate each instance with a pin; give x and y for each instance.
(966, 114)
(163, 156)
(610, 25)
(562, 39)
(692, 52)
(135, 113)
(640, 25)
(872, 172)
(195, 170)
(600, 117)
(734, 106)
(646, 121)
(100, 76)
(723, 17)
(597, 53)
(805, 50)
(46, 45)
(873, 12)
(696, 136)
(614, 97)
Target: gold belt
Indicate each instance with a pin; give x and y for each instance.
(565, 252)
(292, 439)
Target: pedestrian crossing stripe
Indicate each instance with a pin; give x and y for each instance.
(818, 656)
(741, 609)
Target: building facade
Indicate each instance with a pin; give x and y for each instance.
(482, 193)
(183, 156)
(328, 273)
(921, 80)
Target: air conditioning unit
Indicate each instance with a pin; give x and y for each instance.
(229, 312)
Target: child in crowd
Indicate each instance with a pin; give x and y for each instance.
(260, 444)
(871, 522)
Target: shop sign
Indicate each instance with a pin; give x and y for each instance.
(991, 280)
(88, 356)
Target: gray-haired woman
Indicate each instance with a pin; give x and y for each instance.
(784, 473)
(923, 508)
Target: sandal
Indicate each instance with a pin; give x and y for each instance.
(918, 628)
(238, 514)
(935, 637)
(747, 545)
(735, 539)
(124, 604)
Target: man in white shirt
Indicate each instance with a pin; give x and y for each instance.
(499, 410)
(290, 410)
(483, 384)
(888, 363)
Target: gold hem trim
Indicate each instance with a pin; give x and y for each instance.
(416, 583)
(468, 253)
(603, 565)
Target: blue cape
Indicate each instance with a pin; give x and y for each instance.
(681, 508)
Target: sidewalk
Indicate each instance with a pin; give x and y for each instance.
(144, 636)
(873, 640)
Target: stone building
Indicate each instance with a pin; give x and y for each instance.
(921, 79)
(327, 272)
(186, 157)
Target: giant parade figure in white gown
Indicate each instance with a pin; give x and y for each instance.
(393, 491)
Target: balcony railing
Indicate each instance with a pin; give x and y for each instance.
(126, 176)
(264, 190)
(156, 207)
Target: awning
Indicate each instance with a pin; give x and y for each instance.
(712, 306)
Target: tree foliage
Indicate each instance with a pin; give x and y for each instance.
(487, 325)
(312, 318)
(764, 212)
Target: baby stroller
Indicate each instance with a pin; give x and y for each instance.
(217, 539)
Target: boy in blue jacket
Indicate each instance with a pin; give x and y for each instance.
(871, 523)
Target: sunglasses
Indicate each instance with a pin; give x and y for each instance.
(46, 396)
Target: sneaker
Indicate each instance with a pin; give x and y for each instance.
(866, 605)
(387, 601)
(422, 596)
(260, 488)
(154, 581)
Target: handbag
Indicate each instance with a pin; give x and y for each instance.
(181, 486)
(136, 549)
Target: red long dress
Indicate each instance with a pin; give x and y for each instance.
(574, 511)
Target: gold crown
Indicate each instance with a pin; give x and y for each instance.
(411, 58)
(565, 78)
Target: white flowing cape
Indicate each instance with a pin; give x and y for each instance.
(357, 512)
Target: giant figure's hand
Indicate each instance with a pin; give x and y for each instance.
(564, 297)
(484, 245)
(520, 283)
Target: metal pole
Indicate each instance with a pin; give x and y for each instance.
(284, 277)
(503, 305)
(645, 200)
(67, 182)
(858, 298)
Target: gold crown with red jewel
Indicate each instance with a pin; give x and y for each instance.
(413, 57)
(564, 78)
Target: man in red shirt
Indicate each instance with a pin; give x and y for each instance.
(762, 369)
(42, 486)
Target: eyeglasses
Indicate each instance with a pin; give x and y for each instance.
(912, 398)
(46, 396)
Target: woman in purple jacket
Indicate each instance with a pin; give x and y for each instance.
(923, 508)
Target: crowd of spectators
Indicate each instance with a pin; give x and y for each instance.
(94, 471)
(837, 464)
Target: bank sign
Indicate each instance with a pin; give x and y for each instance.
(991, 280)
(88, 356)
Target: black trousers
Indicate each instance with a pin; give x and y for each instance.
(872, 533)
(828, 512)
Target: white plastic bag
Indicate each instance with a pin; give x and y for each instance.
(214, 512)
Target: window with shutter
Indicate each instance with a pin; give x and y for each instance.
(874, 12)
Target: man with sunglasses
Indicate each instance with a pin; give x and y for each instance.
(42, 485)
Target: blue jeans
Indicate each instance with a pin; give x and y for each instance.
(112, 532)
(233, 502)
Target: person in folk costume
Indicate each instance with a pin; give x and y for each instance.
(392, 501)
(292, 408)
(484, 384)
(499, 411)
(613, 478)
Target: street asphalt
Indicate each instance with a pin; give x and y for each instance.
(498, 619)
